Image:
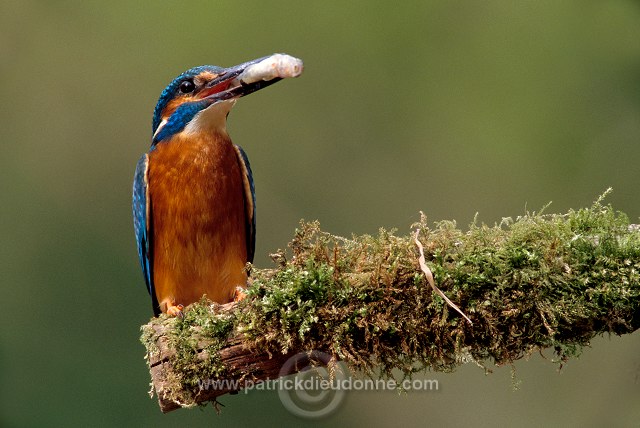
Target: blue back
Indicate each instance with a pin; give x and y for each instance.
(143, 231)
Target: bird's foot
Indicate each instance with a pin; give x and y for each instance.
(239, 294)
(175, 310)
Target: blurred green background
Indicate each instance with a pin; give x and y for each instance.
(451, 107)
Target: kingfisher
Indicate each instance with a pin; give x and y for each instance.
(193, 193)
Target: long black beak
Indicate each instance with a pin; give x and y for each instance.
(251, 76)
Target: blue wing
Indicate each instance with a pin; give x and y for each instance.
(142, 226)
(250, 202)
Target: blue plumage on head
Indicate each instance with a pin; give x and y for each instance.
(170, 91)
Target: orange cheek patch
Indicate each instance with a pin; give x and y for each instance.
(205, 76)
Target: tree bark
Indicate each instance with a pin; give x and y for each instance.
(541, 281)
(243, 362)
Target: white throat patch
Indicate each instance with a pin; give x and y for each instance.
(211, 119)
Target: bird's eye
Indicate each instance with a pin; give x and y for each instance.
(187, 86)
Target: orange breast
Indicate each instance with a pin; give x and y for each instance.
(198, 218)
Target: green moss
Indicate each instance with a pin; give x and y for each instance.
(196, 339)
(535, 282)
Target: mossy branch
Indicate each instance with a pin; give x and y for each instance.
(539, 281)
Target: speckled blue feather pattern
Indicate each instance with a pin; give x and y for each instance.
(170, 91)
(141, 228)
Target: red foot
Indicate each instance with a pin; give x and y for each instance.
(239, 294)
(175, 311)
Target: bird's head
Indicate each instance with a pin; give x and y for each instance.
(200, 98)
